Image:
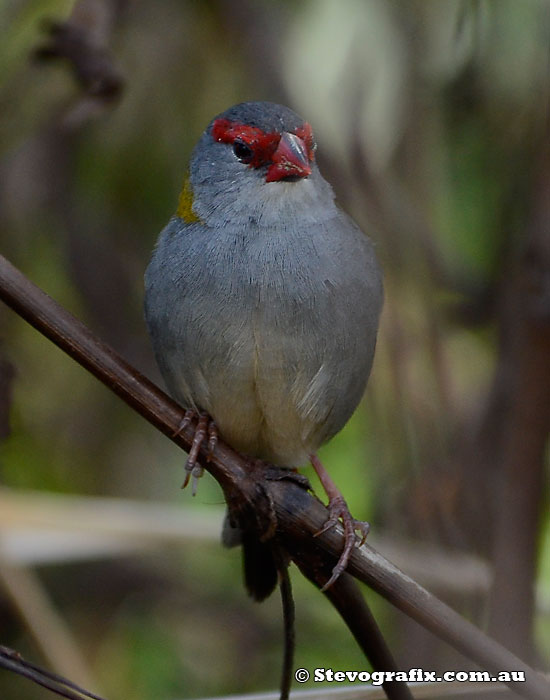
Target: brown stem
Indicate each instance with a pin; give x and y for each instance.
(11, 660)
(346, 597)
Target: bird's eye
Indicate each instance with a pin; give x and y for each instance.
(243, 152)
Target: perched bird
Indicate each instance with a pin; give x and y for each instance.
(262, 302)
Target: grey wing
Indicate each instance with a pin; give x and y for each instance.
(199, 319)
(356, 309)
(318, 334)
(165, 287)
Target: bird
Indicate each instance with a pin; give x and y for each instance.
(262, 301)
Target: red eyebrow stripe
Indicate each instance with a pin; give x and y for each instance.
(262, 144)
(305, 132)
(227, 131)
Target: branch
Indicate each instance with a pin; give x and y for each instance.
(81, 40)
(299, 515)
(13, 661)
(346, 597)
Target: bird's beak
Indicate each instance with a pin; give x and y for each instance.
(290, 160)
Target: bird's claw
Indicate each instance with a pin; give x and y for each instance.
(339, 511)
(205, 427)
(187, 418)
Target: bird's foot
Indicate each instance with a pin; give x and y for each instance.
(275, 473)
(205, 428)
(338, 511)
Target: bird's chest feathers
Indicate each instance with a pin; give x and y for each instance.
(256, 294)
(266, 277)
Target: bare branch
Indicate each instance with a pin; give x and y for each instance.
(13, 661)
(82, 40)
(346, 597)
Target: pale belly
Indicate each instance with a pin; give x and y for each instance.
(265, 404)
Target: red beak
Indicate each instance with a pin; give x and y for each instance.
(290, 160)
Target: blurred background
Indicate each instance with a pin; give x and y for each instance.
(432, 125)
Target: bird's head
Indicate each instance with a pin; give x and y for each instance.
(255, 162)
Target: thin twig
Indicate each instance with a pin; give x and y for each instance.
(346, 597)
(299, 515)
(13, 661)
